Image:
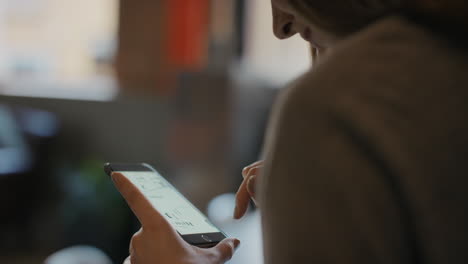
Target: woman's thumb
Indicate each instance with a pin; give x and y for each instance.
(226, 248)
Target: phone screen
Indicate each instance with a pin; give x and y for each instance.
(182, 215)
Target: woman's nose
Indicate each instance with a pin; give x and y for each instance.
(283, 24)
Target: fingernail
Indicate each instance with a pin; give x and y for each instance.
(236, 213)
(251, 184)
(244, 171)
(236, 243)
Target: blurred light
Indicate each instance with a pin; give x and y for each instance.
(221, 208)
(39, 123)
(14, 153)
(79, 255)
(47, 49)
(247, 229)
(14, 160)
(99, 88)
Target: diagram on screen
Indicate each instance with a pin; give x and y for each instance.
(171, 204)
(151, 183)
(178, 216)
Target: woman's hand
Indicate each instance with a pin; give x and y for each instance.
(247, 188)
(157, 241)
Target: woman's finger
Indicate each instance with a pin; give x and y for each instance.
(149, 217)
(251, 185)
(242, 200)
(255, 164)
(253, 170)
(243, 195)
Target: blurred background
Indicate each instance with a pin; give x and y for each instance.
(185, 85)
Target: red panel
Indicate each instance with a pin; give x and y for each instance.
(187, 23)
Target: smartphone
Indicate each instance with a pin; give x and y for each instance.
(193, 226)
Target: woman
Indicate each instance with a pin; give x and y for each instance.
(365, 155)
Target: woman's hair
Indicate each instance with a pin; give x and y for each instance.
(342, 17)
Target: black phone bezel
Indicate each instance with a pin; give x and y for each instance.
(204, 240)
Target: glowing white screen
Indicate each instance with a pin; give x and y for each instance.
(182, 215)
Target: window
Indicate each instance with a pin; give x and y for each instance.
(58, 48)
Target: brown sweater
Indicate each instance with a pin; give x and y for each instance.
(367, 155)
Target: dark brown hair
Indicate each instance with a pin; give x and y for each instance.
(347, 16)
